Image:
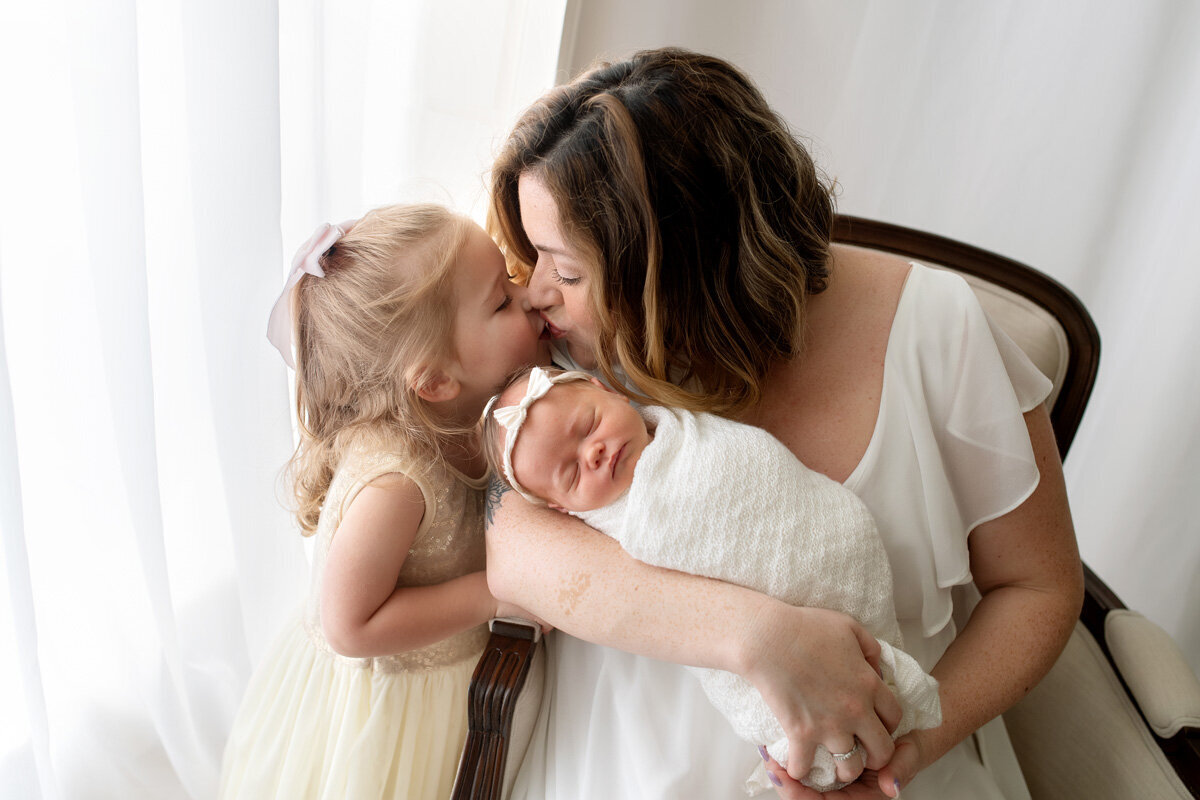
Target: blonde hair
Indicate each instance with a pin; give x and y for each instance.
(367, 336)
(705, 221)
(492, 433)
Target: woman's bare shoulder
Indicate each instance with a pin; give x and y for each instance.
(867, 277)
(860, 302)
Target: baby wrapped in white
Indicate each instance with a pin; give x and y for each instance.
(728, 501)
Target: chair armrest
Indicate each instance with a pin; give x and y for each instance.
(502, 705)
(1158, 677)
(1078, 734)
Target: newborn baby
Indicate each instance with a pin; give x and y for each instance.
(702, 494)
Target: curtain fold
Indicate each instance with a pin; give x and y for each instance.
(26, 764)
(158, 159)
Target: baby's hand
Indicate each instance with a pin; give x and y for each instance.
(504, 609)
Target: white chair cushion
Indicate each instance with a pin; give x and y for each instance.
(1161, 681)
(1077, 734)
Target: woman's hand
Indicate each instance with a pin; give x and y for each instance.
(871, 784)
(818, 672)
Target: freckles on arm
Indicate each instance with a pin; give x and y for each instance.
(582, 582)
(1027, 568)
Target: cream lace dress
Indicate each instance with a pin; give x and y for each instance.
(314, 724)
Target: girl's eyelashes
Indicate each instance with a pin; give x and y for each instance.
(504, 303)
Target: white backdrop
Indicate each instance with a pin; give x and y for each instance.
(158, 159)
(1065, 135)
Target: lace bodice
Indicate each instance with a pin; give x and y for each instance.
(449, 543)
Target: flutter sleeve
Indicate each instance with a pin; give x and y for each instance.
(987, 383)
(951, 449)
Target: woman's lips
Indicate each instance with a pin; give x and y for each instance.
(552, 329)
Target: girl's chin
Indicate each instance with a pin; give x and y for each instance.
(542, 354)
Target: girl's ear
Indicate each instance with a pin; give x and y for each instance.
(438, 387)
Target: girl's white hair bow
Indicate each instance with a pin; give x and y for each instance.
(307, 260)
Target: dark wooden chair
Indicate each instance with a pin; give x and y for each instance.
(1119, 714)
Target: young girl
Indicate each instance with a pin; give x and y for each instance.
(404, 323)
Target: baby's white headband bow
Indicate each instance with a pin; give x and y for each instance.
(307, 260)
(511, 418)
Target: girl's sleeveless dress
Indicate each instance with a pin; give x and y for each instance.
(314, 724)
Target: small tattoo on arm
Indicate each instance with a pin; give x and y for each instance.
(495, 495)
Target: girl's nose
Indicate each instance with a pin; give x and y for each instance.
(520, 295)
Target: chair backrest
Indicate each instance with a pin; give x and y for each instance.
(1042, 316)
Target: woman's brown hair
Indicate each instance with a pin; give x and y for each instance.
(705, 221)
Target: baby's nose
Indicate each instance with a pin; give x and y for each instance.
(595, 454)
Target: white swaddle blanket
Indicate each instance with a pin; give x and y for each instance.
(728, 501)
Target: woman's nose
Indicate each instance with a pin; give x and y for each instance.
(543, 293)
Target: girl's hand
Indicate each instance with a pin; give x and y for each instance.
(871, 784)
(504, 609)
(818, 672)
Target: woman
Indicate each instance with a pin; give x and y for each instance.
(675, 237)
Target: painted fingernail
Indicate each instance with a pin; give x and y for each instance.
(762, 751)
(774, 779)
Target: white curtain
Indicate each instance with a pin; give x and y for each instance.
(158, 160)
(1065, 135)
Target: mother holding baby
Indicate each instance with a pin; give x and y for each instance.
(676, 239)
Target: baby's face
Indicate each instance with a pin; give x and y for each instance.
(578, 446)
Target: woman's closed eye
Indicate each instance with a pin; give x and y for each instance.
(564, 280)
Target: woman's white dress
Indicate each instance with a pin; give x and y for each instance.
(950, 450)
(315, 724)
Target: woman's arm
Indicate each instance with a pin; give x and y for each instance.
(363, 614)
(808, 664)
(1026, 565)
